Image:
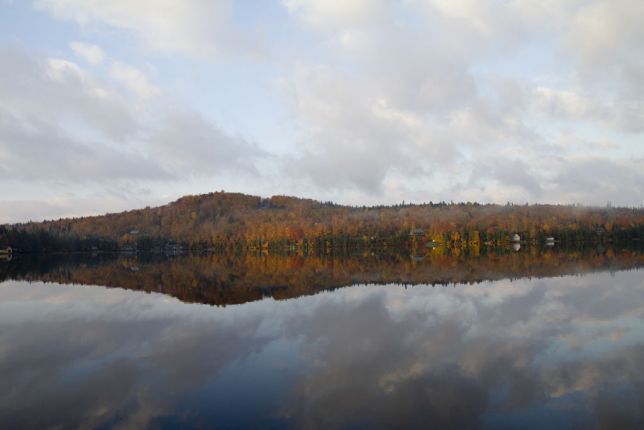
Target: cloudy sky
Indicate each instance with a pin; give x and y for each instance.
(108, 105)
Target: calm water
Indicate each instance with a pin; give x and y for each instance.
(520, 340)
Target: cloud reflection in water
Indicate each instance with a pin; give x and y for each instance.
(560, 352)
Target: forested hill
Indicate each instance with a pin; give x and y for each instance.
(230, 220)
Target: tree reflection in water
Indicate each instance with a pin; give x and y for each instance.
(539, 350)
(223, 279)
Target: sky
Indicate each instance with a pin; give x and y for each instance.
(109, 105)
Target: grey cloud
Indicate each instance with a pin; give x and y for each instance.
(59, 92)
(598, 180)
(363, 139)
(423, 76)
(188, 143)
(350, 143)
(411, 100)
(509, 173)
(39, 151)
(409, 106)
(605, 39)
(59, 123)
(200, 28)
(582, 106)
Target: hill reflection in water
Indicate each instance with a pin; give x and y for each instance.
(224, 279)
(553, 351)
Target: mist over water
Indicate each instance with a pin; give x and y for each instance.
(544, 340)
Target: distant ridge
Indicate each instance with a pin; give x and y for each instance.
(222, 220)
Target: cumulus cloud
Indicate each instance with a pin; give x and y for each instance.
(428, 90)
(604, 39)
(36, 150)
(134, 79)
(396, 111)
(59, 91)
(58, 122)
(187, 142)
(351, 133)
(195, 27)
(378, 100)
(600, 180)
(337, 14)
(93, 54)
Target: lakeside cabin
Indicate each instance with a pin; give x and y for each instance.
(515, 238)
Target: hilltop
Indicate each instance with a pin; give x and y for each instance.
(223, 220)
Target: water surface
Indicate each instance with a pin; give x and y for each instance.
(548, 340)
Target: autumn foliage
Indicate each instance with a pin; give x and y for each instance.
(231, 221)
(224, 278)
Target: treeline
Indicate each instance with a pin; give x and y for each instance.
(224, 278)
(40, 239)
(227, 221)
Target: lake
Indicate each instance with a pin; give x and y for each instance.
(531, 339)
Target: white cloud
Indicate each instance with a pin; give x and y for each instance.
(598, 180)
(428, 95)
(385, 100)
(134, 79)
(40, 151)
(336, 13)
(60, 92)
(194, 27)
(610, 112)
(90, 53)
(606, 33)
(187, 143)
(59, 123)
